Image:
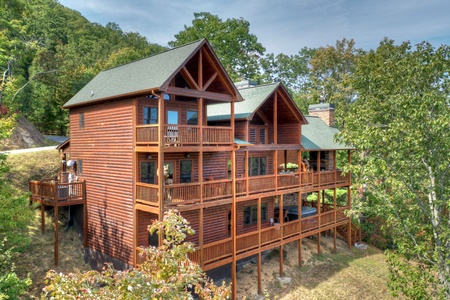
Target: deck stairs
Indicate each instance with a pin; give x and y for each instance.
(355, 232)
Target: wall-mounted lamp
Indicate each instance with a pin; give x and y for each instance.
(188, 155)
(149, 156)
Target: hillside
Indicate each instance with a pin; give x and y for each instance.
(24, 136)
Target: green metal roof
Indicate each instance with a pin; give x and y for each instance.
(253, 98)
(317, 135)
(242, 142)
(144, 74)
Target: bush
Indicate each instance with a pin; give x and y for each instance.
(166, 273)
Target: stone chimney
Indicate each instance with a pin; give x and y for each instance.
(325, 111)
(245, 84)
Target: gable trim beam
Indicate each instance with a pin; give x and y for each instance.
(199, 94)
(215, 63)
(188, 77)
(210, 80)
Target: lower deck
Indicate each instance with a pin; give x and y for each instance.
(261, 223)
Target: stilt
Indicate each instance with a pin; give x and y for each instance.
(281, 260)
(42, 218)
(259, 274)
(85, 216)
(318, 244)
(56, 235)
(334, 237)
(299, 252)
(233, 280)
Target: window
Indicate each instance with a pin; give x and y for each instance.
(79, 166)
(148, 172)
(150, 115)
(172, 117)
(257, 135)
(82, 120)
(262, 135)
(251, 214)
(191, 117)
(166, 97)
(185, 171)
(257, 166)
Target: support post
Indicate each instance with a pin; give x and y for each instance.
(42, 218)
(299, 246)
(259, 274)
(56, 235)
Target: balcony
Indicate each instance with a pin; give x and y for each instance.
(182, 194)
(55, 193)
(184, 135)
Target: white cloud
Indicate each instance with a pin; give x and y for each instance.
(284, 25)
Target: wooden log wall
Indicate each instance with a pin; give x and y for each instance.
(289, 134)
(105, 146)
(144, 220)
(240, 130)
(215, 165)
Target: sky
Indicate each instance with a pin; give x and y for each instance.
(283, 26)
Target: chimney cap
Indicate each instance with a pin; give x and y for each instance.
(321, 106)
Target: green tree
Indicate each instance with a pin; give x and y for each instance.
(238, 49)
(331, 70)
(293, 71)
(166, 273)
(400, 126)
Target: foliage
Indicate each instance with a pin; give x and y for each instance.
(331, 70)
(166, 273)
(11, 286)
(48, 52)
(14, 218)
(237, 49)
(400, 127)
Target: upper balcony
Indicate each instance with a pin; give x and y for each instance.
(184, 135)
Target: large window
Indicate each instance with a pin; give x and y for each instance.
(148, 172)
(191, 117)
(172, 117)
(185, 171)
(257, 166)
(251, 214)
(150, 115)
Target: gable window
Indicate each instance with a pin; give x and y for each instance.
(150, 115)
(251, 214)
(257, 166)
(148, 172)
(185, 171)
(191, 117)
(262, 136)
(257, 135)
(82, 120)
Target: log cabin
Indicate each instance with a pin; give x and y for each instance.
(237, 160)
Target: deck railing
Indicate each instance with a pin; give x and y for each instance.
(195, 192)
(147, 193)
(51, 190)
(183, 135)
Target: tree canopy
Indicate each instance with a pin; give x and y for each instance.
(237, 48)
(400, 126)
